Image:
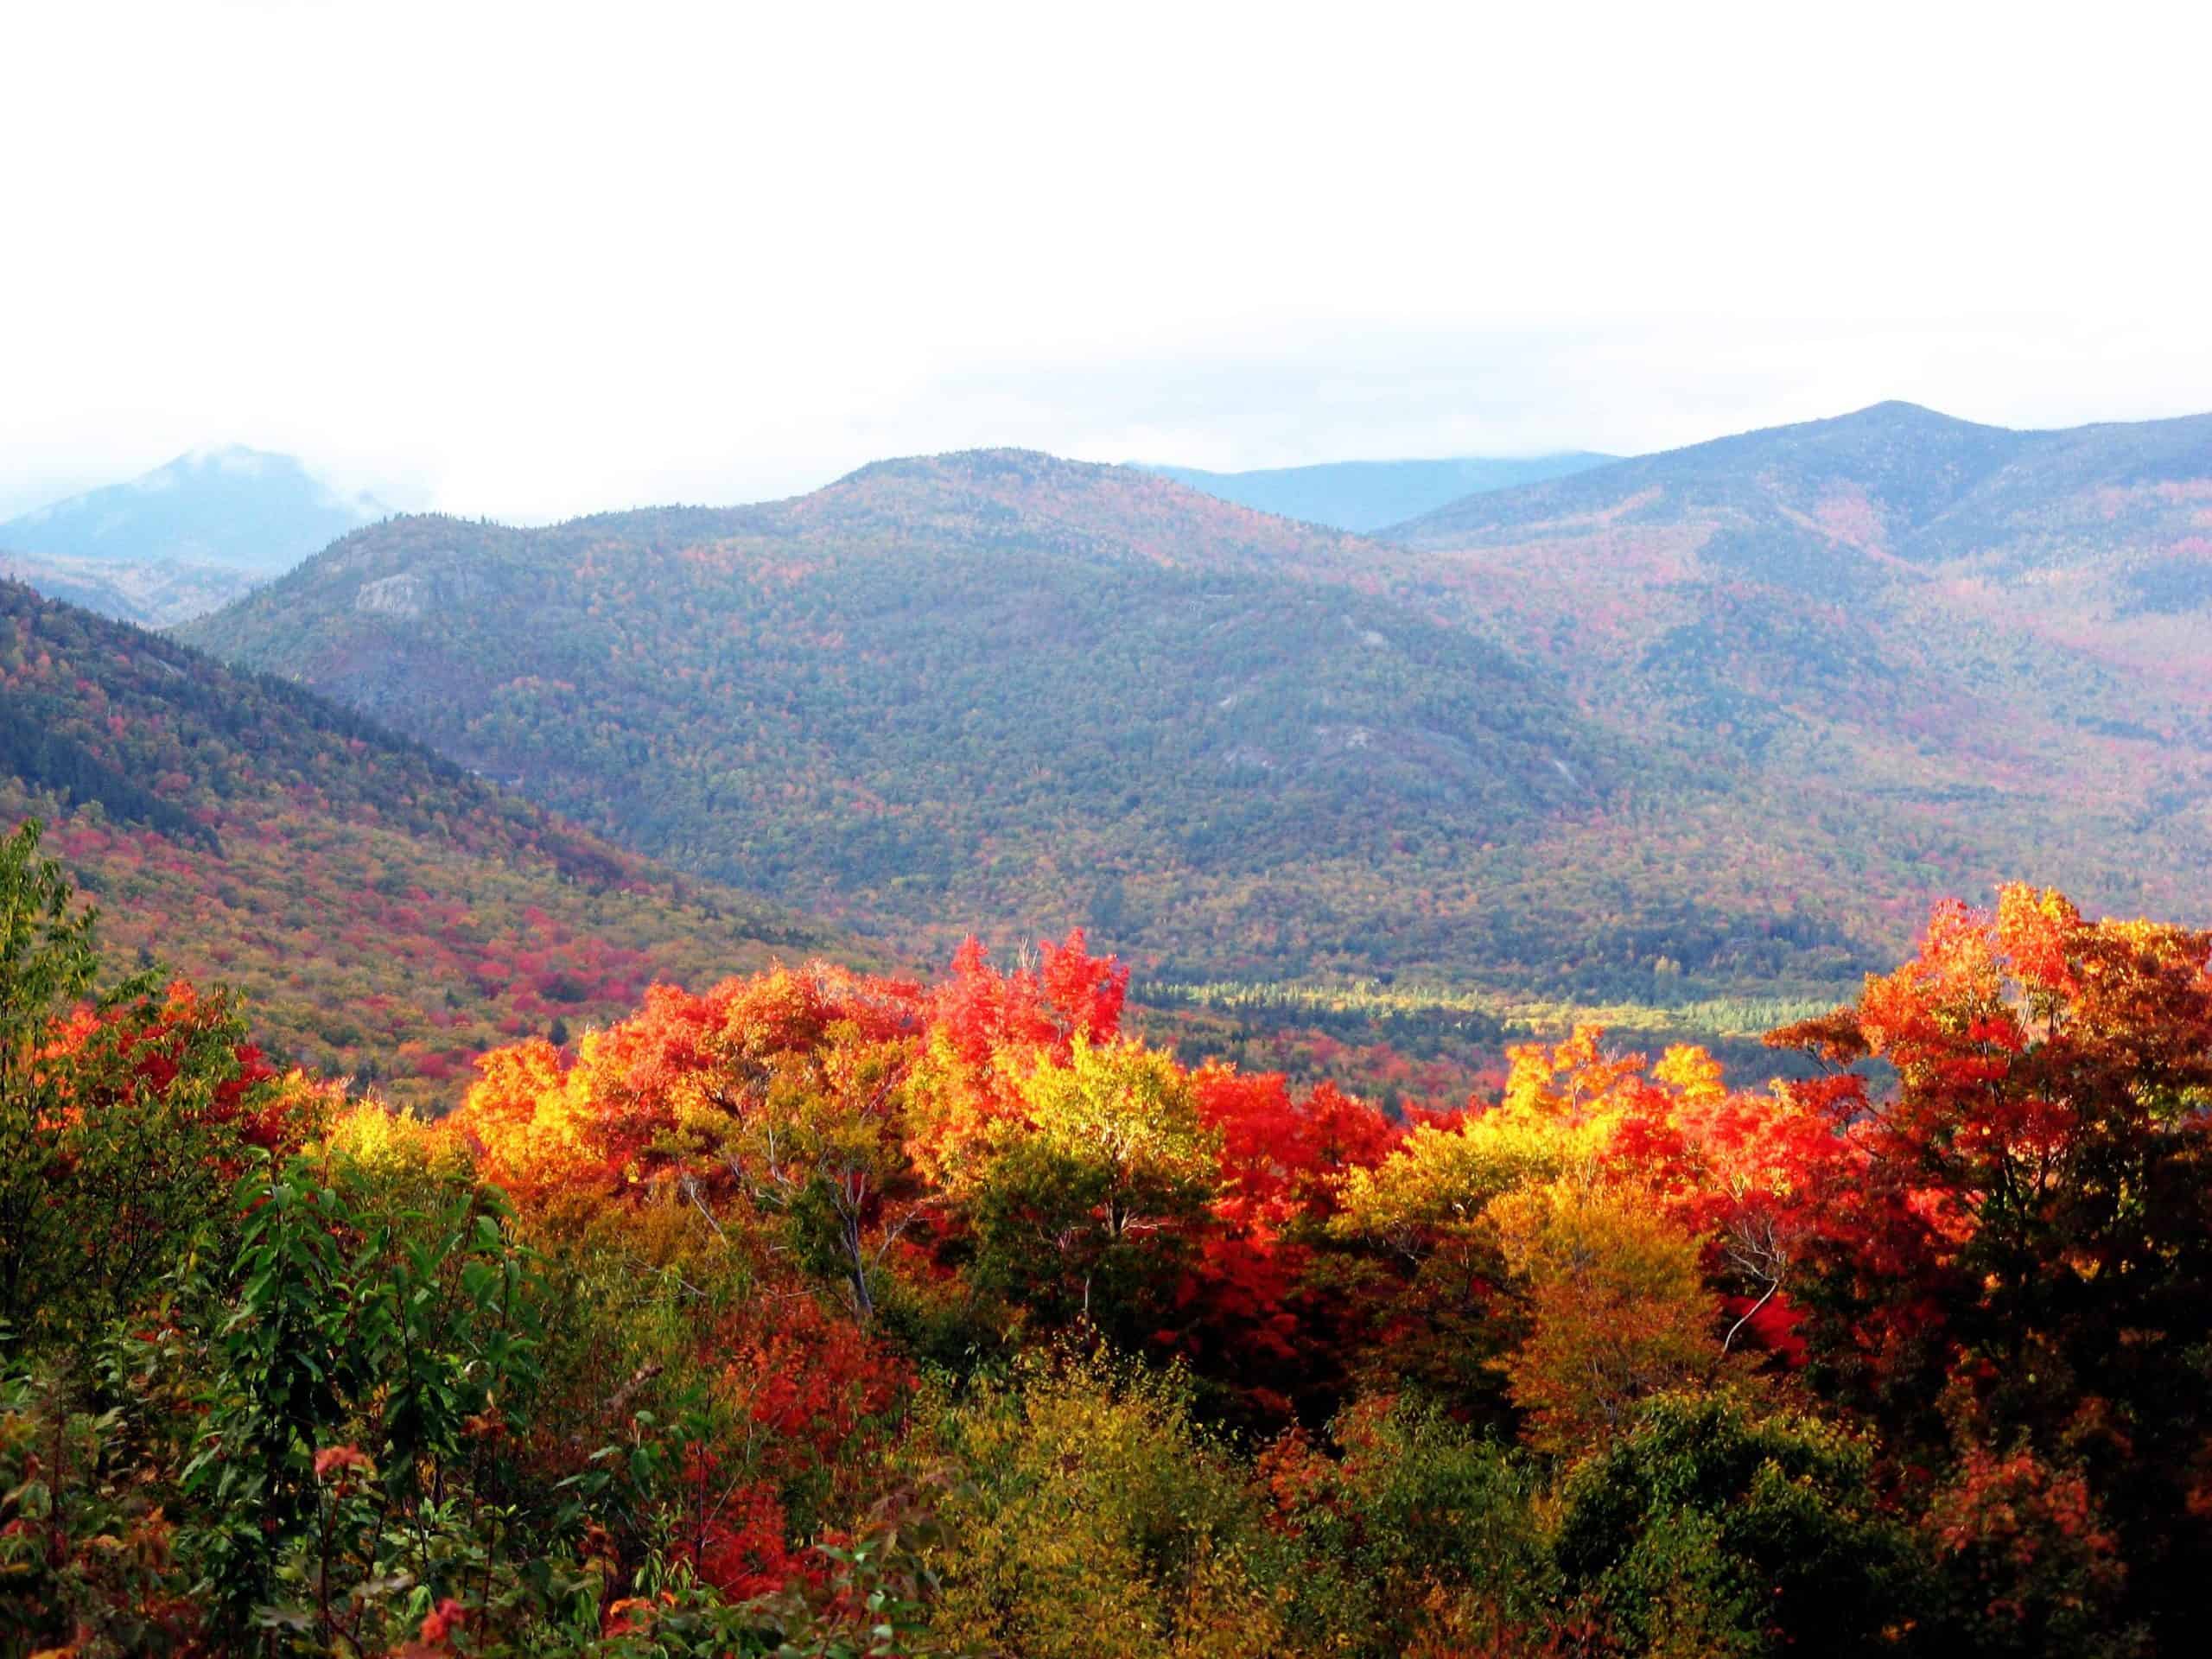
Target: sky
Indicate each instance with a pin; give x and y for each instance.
(529, 261)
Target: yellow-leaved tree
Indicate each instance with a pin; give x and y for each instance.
(1617, 1309)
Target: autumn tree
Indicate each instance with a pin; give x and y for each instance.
(124, 1116)
(1087, 1515)
(1720, 1526)
(1082, 1199)
(2031, 1221)
(815, 1140)
(47, 961)
(1428, 1206)
(1615, 1308)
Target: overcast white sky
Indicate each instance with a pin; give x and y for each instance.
(538, 259)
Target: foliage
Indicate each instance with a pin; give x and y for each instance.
(1417, 1533)
(829, 1314)
(121, 1120)
(1717, 1527)
(2026, 1235)
(1086, 1518)
(1234, 746)
(1615, 1307)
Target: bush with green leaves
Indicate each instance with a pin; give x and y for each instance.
(1720, 1526)
(1418, 1521)
(369, 1387)
(1082, 1514)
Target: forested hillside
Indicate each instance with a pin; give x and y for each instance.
(387, 914)
(1025, 694)
(156, 594)
(1986, 633)
(1706, 725)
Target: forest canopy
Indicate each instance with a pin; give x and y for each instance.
(827, 1313)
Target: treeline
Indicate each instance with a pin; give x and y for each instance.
(823, 1313)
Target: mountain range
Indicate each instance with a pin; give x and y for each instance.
(1978, 623)
(1369, 495)
(1662, 730)
(154, 594)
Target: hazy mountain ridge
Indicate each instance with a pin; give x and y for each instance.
(152, 593)
(1917, 459)
(232, 507)
(1365, 496)
(920, 698)
(1897, 481)
(1889, 606)
(1660, 727)
(2065, 538)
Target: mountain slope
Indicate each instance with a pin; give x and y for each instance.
(2075, 539)
(1913, 461)
(235, 508)
(1367, 495)
(1882, 491)
(1002, 691)
(1991, 629)
(374, 901)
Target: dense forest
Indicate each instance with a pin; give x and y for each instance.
(825, 1312)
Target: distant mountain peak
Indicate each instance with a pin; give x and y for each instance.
(1917, 461)
(1897, 412)
(1898, 408)
(232, 454)
(226, 505)
(1364, 496)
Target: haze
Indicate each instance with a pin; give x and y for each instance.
(517, 262)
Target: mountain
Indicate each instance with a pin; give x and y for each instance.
(235, 508)
(1002, 691)
(1665, 730)
(2094, 542)
(1844, 504)
(994, 690)
(1367, 495)
(388, 914)
(1996, 633)
(152, 593)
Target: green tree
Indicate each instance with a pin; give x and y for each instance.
(1717, 1527)
(1081, 1207)
(48, 962)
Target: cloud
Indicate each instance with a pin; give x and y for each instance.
(717, 253)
